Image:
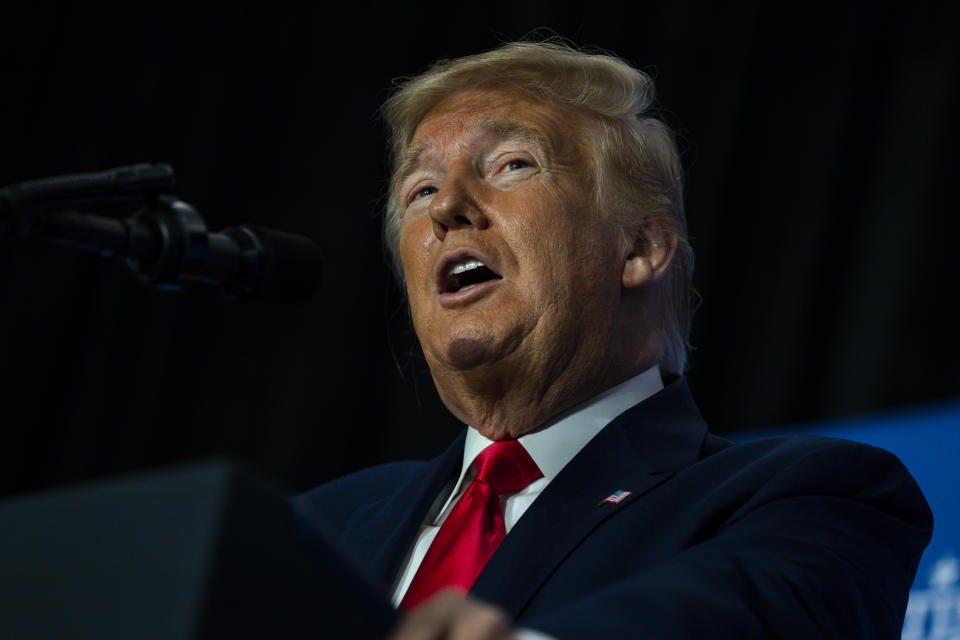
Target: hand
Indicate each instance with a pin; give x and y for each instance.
(452, 615)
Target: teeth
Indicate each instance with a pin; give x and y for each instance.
(466, 266)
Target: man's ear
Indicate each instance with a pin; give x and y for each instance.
(650, 256)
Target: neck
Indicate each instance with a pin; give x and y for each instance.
(505, 400)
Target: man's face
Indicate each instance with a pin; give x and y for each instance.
(499, 178)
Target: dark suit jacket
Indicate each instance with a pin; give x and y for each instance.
(797, 537)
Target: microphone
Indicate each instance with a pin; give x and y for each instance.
(166, 241)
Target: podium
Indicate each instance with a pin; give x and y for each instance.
(206, 551)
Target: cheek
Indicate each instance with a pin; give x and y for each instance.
(573, 260)
(415, 259)
(552, 236)
(414, 246)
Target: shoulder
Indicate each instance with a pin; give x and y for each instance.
(771, 469)
(797, 453)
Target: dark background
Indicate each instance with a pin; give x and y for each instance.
(819, 143)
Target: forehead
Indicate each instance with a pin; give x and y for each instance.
(500, 113)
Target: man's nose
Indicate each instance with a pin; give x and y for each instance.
(456, 205)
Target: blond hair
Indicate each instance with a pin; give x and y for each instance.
(638, 175)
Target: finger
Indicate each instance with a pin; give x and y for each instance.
(476, 620)
(449, 615)
(430, 620)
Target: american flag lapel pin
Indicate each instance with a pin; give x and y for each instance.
(614, 497)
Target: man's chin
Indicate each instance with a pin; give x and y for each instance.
(473, 348)
(468, 353)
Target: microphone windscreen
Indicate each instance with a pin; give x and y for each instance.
(291, 266)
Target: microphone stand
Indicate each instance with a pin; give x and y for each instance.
(165, 242)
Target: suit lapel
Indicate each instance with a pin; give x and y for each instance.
(401, 513)
(640, 449)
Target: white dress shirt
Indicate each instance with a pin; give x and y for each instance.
(551, 447)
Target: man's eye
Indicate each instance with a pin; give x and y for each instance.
(426, 191)
(513, 165)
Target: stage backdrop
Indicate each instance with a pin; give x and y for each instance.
(927, 440)
(819, 142)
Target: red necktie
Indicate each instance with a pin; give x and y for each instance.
(474, 529)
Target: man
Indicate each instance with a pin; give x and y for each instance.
(535, 215)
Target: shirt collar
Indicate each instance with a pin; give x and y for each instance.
(554, 445)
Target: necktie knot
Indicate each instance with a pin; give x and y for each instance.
(506, 467)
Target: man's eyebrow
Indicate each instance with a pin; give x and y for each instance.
(498, 127)
(409, 161)
(512, 129)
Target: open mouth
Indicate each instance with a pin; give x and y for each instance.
(464, 272)
(466, 275)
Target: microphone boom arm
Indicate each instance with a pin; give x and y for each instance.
(166, 241)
